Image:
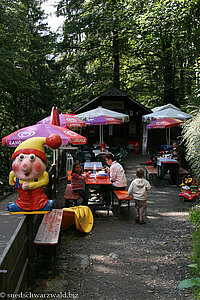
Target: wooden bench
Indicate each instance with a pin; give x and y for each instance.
(48, 235)
(70, 197)
(151, 171)
(121, 197)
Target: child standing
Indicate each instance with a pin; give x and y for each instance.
(138, 188)
(77, 181)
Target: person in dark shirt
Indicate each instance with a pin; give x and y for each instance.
(181, 154)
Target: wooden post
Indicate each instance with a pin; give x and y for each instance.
(31, 250)
(3, 283)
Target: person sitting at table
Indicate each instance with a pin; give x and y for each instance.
(115, 172)
(175, 155)
(172, 170)
(77, 181)
(181, 154)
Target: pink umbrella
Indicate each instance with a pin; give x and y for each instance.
(38, 130)
(65, 120)
(43, 130)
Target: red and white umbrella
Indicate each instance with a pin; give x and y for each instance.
(75, 138)
(165, 123)
(64, 120)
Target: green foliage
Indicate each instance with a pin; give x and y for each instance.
(194, 282)
(153, 45)
(191, 134)
(28, 86)
(188, 283)
(195, 218)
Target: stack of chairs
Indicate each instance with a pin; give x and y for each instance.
(121, 156)
(82, 156)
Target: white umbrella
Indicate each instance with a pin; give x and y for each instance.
(100, 111)
(167, 113)
(169, 105)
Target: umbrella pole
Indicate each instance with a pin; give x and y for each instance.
(166, 136)
(100, 135)
(54, 157)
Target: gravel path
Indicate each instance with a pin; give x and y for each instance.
(122, 260)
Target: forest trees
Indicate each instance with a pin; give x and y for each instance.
(147, 48)
(27, 72)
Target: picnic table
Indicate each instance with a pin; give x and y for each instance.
(165, 162)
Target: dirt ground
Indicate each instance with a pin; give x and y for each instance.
(122, 260)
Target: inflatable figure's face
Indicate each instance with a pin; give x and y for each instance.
(28, 167)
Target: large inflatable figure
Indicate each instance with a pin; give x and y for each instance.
(29, 174)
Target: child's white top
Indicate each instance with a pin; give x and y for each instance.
(138, 188)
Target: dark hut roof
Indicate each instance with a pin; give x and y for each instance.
(115, 94)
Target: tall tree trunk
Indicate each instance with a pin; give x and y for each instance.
(116, 59)
(168, 72)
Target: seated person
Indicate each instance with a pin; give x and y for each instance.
(181, 154)
(116, 173)
(77, 182)
(172, 169)
(175, 155)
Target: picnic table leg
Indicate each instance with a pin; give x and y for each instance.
(177, 175)
(163, 173)
(54, 261)
(108, 203)
(87, 193)
(119, 207)
(30, 236)
(128, 209)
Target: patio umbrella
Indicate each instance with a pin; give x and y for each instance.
(167, 113)
(102, 120)
(37, 130)
(100, 111)
(65, 120)
(75, 138)
(43, 130)
(165, 123)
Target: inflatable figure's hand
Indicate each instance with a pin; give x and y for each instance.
(25, 186)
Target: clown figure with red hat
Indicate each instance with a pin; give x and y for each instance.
(29, 174)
